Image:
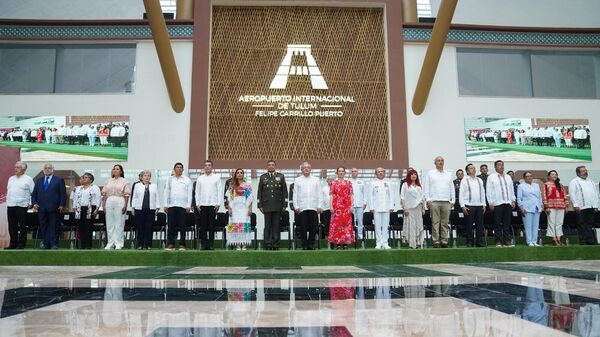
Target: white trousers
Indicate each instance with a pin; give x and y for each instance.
(115, 221)
(382, 222)
(358, 221)
(555, 222)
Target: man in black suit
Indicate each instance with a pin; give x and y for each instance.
(49, 198)
(272, 199)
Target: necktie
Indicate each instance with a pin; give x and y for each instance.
(46, 183)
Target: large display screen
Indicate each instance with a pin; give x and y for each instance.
(66, 138)
(527, 139)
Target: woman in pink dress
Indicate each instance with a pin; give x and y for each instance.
(341, 231)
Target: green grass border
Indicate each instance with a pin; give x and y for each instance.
(284, 258)
(543, 150)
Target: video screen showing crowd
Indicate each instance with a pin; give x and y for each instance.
(340, 206)
(106, 134)
(573, 136)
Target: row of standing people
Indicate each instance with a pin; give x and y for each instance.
(349, 199)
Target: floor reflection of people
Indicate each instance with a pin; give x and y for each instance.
(536, 309)
(587, 323)
(342, 294)
(561, 314)
(386, 316)
(112, 309)
(416, 310)
(477, 321)
(239, 316)
(83, 321)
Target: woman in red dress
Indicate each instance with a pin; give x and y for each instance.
(341, 231)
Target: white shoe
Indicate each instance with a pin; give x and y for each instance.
(531, 244)
(109, 246)
(537, 245)
(118, 247)
(387, 247)
(377, 247)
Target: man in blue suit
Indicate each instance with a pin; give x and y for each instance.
(49, 198)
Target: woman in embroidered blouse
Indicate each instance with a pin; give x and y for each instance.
(86, 202)
(239, 208)
(555, 204)
(144, 206)
(115, 195)
(529, 199)
(413, 205)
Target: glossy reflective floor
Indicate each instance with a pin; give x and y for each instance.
(477, 300)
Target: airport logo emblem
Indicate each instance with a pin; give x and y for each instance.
(286, 69)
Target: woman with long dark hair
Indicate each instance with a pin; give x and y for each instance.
(239, 208)
(115, 194)
(555, 205)
(412, 200)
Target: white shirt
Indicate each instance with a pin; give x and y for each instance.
(580, 134)
(307, 193)
(411, 196)
(500, 189)
(325, 198)
(439, 186)
(86, 197)
(208, 190)
(471, 192)
(137, 196)
(178, 192)
(583, 193)
(18, 191)
(380, 196)
(358, 190)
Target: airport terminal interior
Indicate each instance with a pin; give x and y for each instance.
(338, 168)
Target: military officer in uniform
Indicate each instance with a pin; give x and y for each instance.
(272, 199)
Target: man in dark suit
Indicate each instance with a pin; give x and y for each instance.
(272, 199)
(49, 198)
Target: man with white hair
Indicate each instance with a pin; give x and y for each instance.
(381, 204)
(18, 200)
(49, 198)
(440, 196)
(307, 203)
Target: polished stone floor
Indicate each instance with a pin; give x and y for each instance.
(543, 299)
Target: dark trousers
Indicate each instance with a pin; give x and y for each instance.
(85, 228)
(325, 222)
(502, 225)
(207, 226)
(585, 223)
(17, 226)
(49, 227)
(475, 217)
(307, 221)
(144, 218)
(175, 221)
(271, 233)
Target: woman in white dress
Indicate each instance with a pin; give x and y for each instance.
(413, 204)
(239, 208)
